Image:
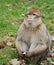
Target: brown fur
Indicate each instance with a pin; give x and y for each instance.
(33, 38)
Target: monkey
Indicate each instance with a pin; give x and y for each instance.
(33, 37)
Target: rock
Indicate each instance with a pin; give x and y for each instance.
(9, 43)
(53, 54)
(52, 49)
(16, 62)
(52, 63)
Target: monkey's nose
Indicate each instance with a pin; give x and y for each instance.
(29, 23)
(22, 52)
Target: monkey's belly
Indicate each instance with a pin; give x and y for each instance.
(27, 37)
(30, 38)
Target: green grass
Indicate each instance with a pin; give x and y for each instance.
(7, 54)
(10, 14)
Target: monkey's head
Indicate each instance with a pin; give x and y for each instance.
(32, 17)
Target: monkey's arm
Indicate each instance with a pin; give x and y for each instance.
(19, 43)
(46, 43)
(21, 47)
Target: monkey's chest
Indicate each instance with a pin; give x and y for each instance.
(30, 37)
(27, 37)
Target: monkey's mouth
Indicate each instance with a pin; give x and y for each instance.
(30, 21)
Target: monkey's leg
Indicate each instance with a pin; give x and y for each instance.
(42, 56)
(39, 57)
(36, 50)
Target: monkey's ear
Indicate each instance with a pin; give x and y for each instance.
(38, 13)
(23, 15)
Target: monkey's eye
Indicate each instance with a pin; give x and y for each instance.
(34, 14)
(29, 13)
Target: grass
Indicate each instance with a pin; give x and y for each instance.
(11, 12)
(6, 54)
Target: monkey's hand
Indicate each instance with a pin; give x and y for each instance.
(24, 53)
(50, 54)
(29, 54)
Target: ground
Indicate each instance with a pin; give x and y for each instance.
(10, 15)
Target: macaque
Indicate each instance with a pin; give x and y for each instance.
(33, 38)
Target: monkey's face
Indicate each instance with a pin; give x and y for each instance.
(31, 17)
